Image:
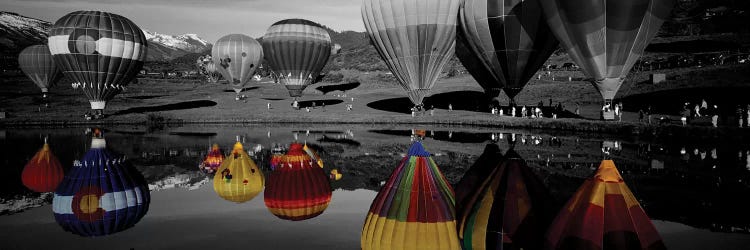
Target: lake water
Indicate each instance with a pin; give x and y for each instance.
(695, 191)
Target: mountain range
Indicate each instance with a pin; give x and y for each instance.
(18, 32)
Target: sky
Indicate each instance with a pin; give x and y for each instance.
(210, 19)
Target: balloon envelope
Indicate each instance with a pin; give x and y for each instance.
(603, 214)
(297, 189)
(100, 51)
(414, 210)
(36, 62)
(505, 42)
(415, 38)
(606, 37)
(101, 195)
(238, 179)
(297, 50)
(43, 172)
(237, 57)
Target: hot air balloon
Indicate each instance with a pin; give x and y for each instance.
(238, 179)
(237, 57)
(102, 52)
(603, 214)
(503, 43)
(102, 194)
(511, 209)
(43, 172)
(297, 50)
(213, 160)
(298, 189)
(414, 210)
(415, 38)
(606, 37)
(335, 49)
(36, 62)
(212, 72)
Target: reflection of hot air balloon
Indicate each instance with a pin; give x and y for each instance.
(36, 62)
(606, 37)
(297, 50)
(504, 43)
(414, 210)
(102, 194)
(472, 180)
(238, 179)
(43, 172)
(313, 155)
(297, 189)
(511, 209)
(100, 51)
(335, 175)
(415, 39)
(213, 160)
(237, 57)
(603, 214)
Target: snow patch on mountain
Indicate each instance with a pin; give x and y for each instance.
(186, 42)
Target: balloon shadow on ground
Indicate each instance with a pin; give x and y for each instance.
(167, 107)
(340, 87)
(460, 100)
(243, 90)
(318, 103)
(144, 97)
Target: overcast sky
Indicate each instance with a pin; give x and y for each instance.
(210, 19)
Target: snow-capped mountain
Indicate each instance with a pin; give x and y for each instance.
(18, 32)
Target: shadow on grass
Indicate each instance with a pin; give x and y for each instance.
(460, 100)
(672, 101)
(318, 103)
(273, 99)
(340, 87)
(243, 90)
(344, 141)
(167, 107)
(695, 46)
(143, 97)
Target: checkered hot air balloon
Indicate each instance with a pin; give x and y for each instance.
(101, 195)
(102, 52)
(503, 43)
(36, 62)
(415, 38)
(297, 189)
(603, 214)
(606, 37)
(213, 160)
(297, 50)
(43, 172)
(236, 57)
(510, 209)
(238, 179)
(414, 210)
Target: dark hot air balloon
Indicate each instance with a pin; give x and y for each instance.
(36, 62)
(503, 43)
(297, 50)
(415, 38)
(102, 52)
(606, 37)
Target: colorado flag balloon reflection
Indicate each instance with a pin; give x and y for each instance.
(101, 195)
(100, 51)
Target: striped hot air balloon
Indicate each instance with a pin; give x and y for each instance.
(606, 37)
(238, 179)
(414, 210)
(603, 214)
(101, 195)
(503, 43)
(297, 50)
(102, 52)
(213, 160)
(415, 38)
(36, 62)
(212, 72)
(510, 209)
(43, 172)
(297, 189)
(236, 57)
(472, 180)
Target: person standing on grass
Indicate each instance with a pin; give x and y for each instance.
(268, 105)
(450, 107)
(578, 109)
(747, 115)
(513, 111)
(685, 113)
(523, 111)
(715, 117)
(697, 110)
